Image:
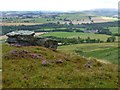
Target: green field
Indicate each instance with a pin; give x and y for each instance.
(26, 20)
(77, 34)
(114, 30)
(70, 16)
(22, 70)
(76, 18)
(103, 51)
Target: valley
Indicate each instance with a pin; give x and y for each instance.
(86, 55)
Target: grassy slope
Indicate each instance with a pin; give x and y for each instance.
(110, 54)
(27, 72)
(105, 51)
(76, 34)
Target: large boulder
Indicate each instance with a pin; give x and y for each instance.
(26, 38)
(20, 37)
(21, 33)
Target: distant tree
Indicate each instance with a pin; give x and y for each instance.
(70, 23)
(111, 39)
(65, 19)
(89, 17)
(69, 29)
(65, 23)
(92, 21)
(79, 37)
(60, 19)
(58, 22)
(98, 40)
(88, 40)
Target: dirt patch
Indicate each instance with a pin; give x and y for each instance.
(40, 33)
(103, 61)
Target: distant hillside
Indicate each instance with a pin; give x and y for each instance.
(99, 12)
(41, 17)
(38, 67)
(103, 12)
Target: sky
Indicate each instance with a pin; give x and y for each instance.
(56, 5)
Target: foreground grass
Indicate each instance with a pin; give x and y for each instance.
(23, 71)
(104, 51)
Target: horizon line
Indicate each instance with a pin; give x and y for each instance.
(56, 10)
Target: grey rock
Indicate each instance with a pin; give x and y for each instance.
(26, 38)
(59, 61)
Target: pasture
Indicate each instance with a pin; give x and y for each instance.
(114, 30)
(77, 34)
(103, 51)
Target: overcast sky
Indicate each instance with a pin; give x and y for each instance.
(56, 5)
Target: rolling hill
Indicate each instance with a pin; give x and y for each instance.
(103, 51)
(32, 18)
(103, 12)
(38, 67)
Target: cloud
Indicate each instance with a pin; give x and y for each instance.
(56, 5)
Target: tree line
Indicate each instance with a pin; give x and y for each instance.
(78, 40)
(68, 28)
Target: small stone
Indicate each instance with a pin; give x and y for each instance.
(26, 77)
(51, 61)
(59, 61)
(44, 62)
(33, 56)
(66, 58)
(41, 58)
(13, 51)
(39, 54)
(89, 62)
(88, 66)
(25, 51)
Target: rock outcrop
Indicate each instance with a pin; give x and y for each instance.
(26, 38)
